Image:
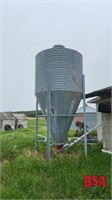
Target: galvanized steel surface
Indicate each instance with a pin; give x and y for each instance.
(65, 66)
(66, 69)
(63, 103)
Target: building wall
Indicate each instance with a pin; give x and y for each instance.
(104, 132)
(107, 131)
(99, 121)
(0, 124)
(22, 122)
(9, 122)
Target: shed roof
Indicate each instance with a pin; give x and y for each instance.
(95, 100)
(20, 116)
(88, 109)
(6, 116)
(102, 92)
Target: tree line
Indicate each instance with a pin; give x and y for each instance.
(30, 113)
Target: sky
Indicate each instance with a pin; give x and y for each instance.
(28, 27)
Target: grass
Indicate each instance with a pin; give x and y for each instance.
(26, 174)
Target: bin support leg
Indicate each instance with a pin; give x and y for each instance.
(84, 110)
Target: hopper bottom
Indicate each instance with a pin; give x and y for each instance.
(64, 103)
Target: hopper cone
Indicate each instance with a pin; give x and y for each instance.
(62, 103)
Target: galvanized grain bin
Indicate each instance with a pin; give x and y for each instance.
(65, 85)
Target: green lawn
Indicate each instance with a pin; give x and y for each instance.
(26, 174)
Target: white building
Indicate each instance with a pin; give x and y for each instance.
(21, 120)
(104, 116)
(7, 121)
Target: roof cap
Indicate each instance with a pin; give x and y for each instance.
(58, 46)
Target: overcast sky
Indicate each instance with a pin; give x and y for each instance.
(29, 27)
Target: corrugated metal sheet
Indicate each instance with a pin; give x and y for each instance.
(63, 103)
(65, 85)
(66, 70)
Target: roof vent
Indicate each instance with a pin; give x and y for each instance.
(58, 46)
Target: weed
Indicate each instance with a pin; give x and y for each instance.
(27, 175)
